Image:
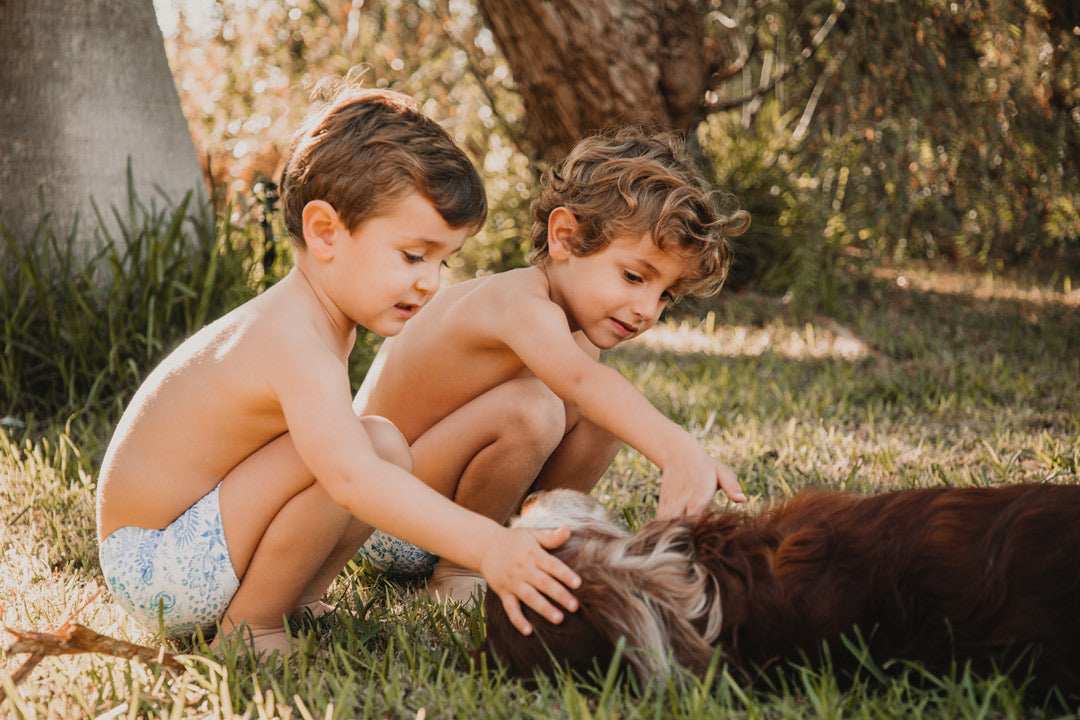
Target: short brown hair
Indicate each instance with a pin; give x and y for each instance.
(631, 181)
(366, 148)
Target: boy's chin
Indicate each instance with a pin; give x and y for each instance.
(607, 343)
(384, 328)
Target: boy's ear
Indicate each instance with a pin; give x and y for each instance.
(561, 228)
(321, 224)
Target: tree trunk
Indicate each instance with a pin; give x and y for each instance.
(84, 86)
(582, 65)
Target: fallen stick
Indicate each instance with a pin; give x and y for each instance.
(71, 638)
(74, 638)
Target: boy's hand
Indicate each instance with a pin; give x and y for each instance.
(689, 483)
(519, 569)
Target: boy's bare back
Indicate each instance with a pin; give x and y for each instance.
(214, 402)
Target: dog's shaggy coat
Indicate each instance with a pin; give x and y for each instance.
(987, 575)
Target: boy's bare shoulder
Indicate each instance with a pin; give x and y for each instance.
(270, 335)
(485, 302)
(511, 287)
(523, 282)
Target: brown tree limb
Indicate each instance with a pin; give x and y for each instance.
(71, 638)
(806, 54)
(720, 67)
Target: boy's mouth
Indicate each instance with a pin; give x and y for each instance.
(624, 329)
(407, 310)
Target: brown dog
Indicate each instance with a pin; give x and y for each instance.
(990, 575)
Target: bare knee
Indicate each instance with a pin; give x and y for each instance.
(592, 435)
(581, 459)
(388, 441)
(533, 415)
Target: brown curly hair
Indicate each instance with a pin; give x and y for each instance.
(633, 182)
(363, 149)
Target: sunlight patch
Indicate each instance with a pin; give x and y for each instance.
(981, 287)
(829, 339)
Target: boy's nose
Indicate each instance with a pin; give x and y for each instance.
(648, 309)
(428, 282)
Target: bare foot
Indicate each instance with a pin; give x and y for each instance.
(453, 582)
(316, 609)
(268, 641)
(264, 642)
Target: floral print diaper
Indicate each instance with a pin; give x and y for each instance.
(177, 579)
(390, 555)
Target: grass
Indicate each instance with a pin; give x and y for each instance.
(922, 377)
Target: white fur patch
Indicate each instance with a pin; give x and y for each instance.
(555, 508)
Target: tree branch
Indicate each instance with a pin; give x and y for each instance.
(806, 54)
(511, 130)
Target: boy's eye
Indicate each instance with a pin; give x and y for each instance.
(412, 257)
(667, 296)
(631, 277)
(445, 263)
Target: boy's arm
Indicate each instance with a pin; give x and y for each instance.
(333, 445)
(546, 346)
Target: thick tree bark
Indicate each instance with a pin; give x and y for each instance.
(582, 65)
(84, 86)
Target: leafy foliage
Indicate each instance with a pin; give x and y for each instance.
(857, 131)
(912, 129)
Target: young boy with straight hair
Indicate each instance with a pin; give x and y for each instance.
(239, 481)
(497, 384)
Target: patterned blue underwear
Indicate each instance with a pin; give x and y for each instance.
(177, 579)
(393, 556)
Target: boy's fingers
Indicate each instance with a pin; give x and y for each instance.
(729, 483)
(555, 567)
(554, 585)
(693, 509)
(551, 539)
(553, 578)
(667, 508)
(514, 614)
(538, 602)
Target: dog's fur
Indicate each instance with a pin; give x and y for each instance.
(987, 575)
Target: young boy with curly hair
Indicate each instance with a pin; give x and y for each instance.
(239, 481)
(497, 384)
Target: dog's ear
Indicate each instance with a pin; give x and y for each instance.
(648, 588)
(575, 643)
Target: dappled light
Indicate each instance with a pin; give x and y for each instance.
(825, 339)
(984, 286)
(823, 336)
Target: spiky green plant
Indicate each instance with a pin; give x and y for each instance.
(80, 326)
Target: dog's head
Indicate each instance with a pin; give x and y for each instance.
(646, 588)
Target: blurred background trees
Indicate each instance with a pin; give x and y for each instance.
(855, 133)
